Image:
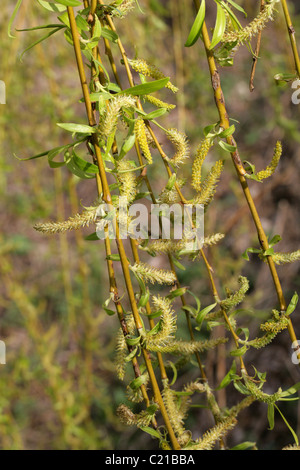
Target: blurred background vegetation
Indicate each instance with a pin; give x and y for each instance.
(59, 389)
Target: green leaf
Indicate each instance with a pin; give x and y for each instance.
(227, 147)
(131, 355)
(92, 237)
(133, 341)
(197, 26)
(237, 7)
(291, 391)
(150, 431)
(77, 128)
(250, 250)
(46, 26)
(239, 352)
(276, 239)
(145, 88)
(154, 114)
(175, 372)
(12, 18)
(202, 314)
(52, 6)
(105, 307)
(289, 426)
(219, 26)
(227, 132)
(235, 22)
(228, 377)
(80, 167)
(177, 293)
(178, 264)
(109, 34)
(70, 3)
(114, 257)
(171, 182)
(136, 383)
(271, 416)
(244, 445)
(293, 304)
(43, 38)
(128, 144)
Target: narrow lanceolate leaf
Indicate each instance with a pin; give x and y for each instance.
(70, 3)
(43, 38)
(14, 14)
(79, 128)
(197, 26)
(219, 27)
(52, 6)
(146, 88)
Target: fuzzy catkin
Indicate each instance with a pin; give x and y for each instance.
(257, 25)
(140, 130)
(284, 258)
(236, 298)
(208, 440)
(167, 322)
(158, 103)
(122, 10)
(127, 179)
(170, 403)
(73, 223)
(149, 70)
(153, 275)
(209, 185)
(201, 154)
(180, 142)
(109, 119)
(261, 175)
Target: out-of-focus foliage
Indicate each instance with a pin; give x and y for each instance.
(59, 389)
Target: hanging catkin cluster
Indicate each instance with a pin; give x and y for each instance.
(257, 25)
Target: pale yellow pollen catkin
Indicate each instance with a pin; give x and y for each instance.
(261, 175)
(141, 135)
(201, 154)
(149, 70)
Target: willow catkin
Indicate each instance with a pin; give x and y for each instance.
(123, 9)
(140, 131)
(127, 179)
(154, 275)
(261, 175)
(72, 223)
(236, 298)
(158, 103)
(209, 185)
(283, 258)
(208, 440)
(201, 154)
(149, 70)
(167, 321)
(253, 28)
(180, 142)
(109, 119)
